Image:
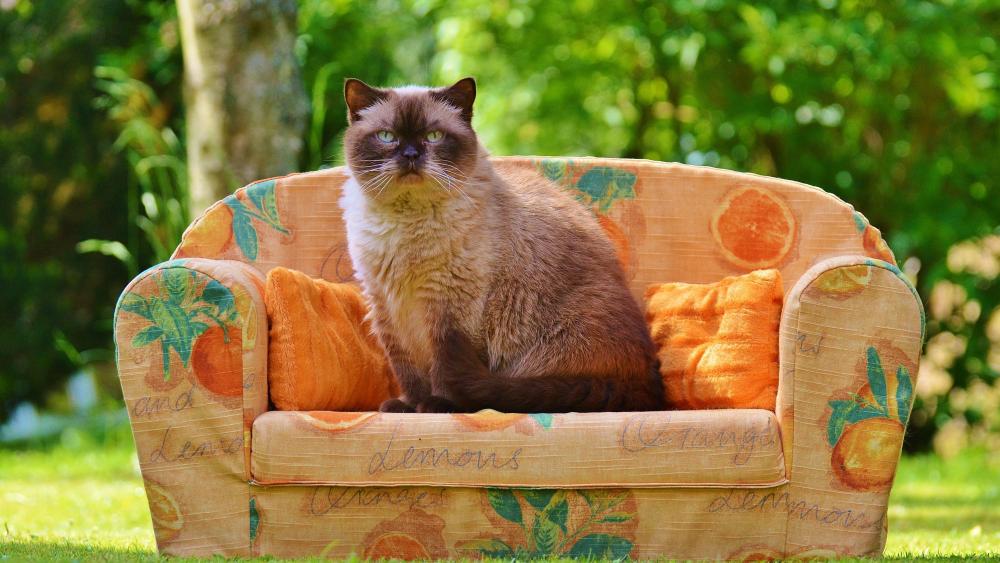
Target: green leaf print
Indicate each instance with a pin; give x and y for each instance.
(263, 197)
(263, 207)
(605, 185)
(904, 394)
(616, 517)
(849, 412)
(544, 534)
(601, 500)
(165, 351)
(546, 528)
(559, 513)
(243, 231)
(538, 498)
(254, 519)
(858, 408)
(601, 546)
(864, 411)
(876, 379)
(135, 304)
(838, 420)
(219, 295)
(553, 168)
(179, 314)
(505, 504)
(258, 192)
(860, 223)
(177, 328)
(176, 283)
(146, 336)
(543, 419)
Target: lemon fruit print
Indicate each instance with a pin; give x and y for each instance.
(866, 430)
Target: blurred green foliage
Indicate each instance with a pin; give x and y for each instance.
(64, 181)
(893, 106)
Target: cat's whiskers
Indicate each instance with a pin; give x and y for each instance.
(455, 170)
(367, 169)
(450, 170)
(376, 180)
(384, 184)
(455, 176)
(380, 167)
(450, 184)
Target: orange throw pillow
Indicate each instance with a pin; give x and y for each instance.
(718, 342)
(321, 352)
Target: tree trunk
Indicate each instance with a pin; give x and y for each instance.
(246, 105)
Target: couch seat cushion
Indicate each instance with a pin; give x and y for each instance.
(710, 448)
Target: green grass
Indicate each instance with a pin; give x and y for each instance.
(84, 501)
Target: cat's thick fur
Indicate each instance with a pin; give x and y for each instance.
(489, 287)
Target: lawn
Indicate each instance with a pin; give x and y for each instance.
(83, 500)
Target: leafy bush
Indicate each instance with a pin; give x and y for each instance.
(892, 106)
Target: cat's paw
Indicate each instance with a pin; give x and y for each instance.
(395, 405)
(436, 404)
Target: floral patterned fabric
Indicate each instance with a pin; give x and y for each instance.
(851, 334)
(192, 359)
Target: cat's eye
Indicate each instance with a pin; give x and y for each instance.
(434, 136)
(385, 136)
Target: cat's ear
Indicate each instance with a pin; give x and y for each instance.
(461, 95)
(359, 96)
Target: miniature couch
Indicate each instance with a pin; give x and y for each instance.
(224, 475)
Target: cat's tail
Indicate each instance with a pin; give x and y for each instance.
(473, 387)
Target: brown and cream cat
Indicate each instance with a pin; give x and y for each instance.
(488, 288)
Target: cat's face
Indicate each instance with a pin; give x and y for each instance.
(410, 139)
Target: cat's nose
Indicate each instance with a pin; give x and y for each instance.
(411, 152)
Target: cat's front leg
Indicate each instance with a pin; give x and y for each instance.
(413, 384)
(457, 363)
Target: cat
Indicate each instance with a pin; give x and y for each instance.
(489, 287)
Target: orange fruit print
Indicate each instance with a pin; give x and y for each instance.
(843, 282)
(167, 517)
(218, 364)
(866, 431)
(211, 236)
(411, 535)
(876, 247)
(618, 239)
(333, 421)
(488, 419)
(753, 227)
(397, 545)
(248, 313)
(865, 456)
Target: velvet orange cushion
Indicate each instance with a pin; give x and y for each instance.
(321, 352)
(718, 342)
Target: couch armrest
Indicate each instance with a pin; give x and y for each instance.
(851, 335)
(191, 339)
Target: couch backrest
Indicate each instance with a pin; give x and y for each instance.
(669, 222)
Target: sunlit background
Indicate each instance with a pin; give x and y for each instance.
(892, 106)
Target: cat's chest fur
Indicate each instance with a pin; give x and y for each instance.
(416, 259)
